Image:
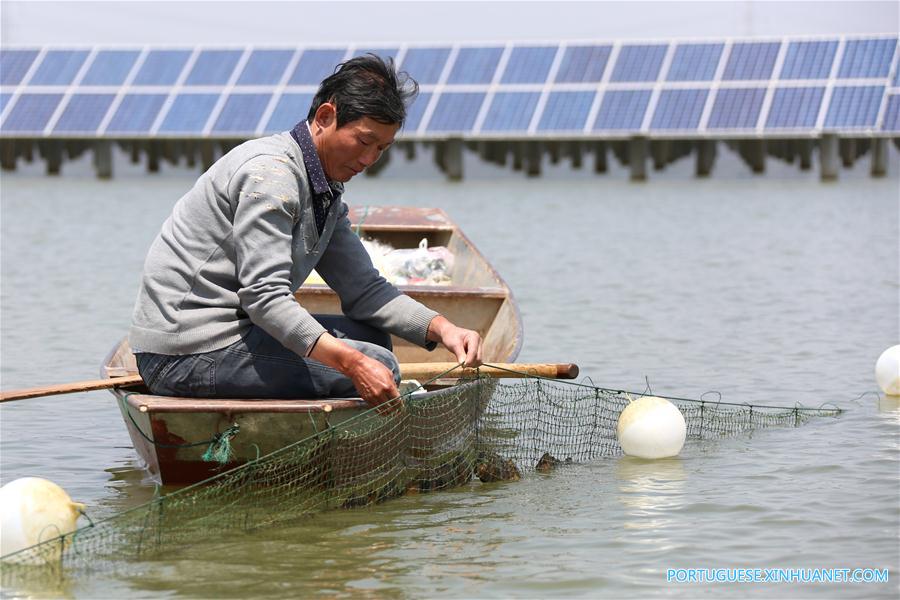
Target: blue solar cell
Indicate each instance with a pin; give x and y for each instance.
(622, 109)
(751, 60)
(897, 76)
(566, 111)
(213, 67)
(416, 111)
(529, 64)
(315, 65)
(425, 64)
(4, 100)
(809, 60)
(456, 111)
(59, 67)
(639, 62)
(695, 62)
(31, 113)
(289, 110)
(679, 109)
(583, 64)
(892, 114)
(383, 53)
(162, 67)
(189, 113)
(511, 111)
(867, 58)
(242, 113)
(14, 64)
(84, 113)
(136, 113)
(110, 67)
(854, 106)
(265, 67)
(475, 65)
(736, 108)
(795, 107)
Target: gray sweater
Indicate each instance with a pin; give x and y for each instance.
(238, 245)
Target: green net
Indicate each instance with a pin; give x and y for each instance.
(478, 428)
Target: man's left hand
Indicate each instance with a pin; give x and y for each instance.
(466, 344)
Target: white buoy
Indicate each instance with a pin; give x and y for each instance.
(651, 427)
(33, 510)
(887, 371)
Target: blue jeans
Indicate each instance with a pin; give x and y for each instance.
(258, 366)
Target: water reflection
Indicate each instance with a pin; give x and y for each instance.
(649, 490)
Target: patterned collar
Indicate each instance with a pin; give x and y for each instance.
(320, 183)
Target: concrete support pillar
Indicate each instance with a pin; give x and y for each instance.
(706, 157)
(207, 155)
(847, 147)
(637, 158)
(518, 154)
(575, 152)
(600, 163)
(804, 150)
(879, 157)
(103, 159)
(497, 152)
(153, 152)
(8, 155)
(135, 152)
(25, 149)
(755, 154)
(660, 151)
(554, 149)
(409, 150)
(533, 158)
(453, 159)
(52, 151)
(828, 156)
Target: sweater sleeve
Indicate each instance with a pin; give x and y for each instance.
(365, 295)
(267, 207)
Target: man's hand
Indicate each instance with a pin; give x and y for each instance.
(373, 380)
(466, 344)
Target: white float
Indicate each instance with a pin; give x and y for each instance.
(887, 371)
(33, 510)
(651, 427)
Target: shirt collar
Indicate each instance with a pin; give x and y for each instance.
(311, 160)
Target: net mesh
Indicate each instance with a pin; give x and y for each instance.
(476, 429)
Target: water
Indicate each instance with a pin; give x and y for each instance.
(770, 290)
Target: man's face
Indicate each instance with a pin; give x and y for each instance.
(346, 151)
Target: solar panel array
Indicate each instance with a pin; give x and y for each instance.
(774, 87)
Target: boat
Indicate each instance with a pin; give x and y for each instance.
(161, 427)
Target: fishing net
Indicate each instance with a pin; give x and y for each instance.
(479, 428)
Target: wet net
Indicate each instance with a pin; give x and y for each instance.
(478, 429)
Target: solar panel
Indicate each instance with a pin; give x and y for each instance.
(695, 62)
(751, 60)
(795, 107)
(456, 111)
(736, 108)
(425, 64)
(315, 65)
(83, 113)
(854, 106)
(475, 65)
(189, 113)
(162, 67)
(809, 60)
(14, 64)
(415, 112)
(136, 113)
(382, 53)
(622, 109)
(31, 113)
(529, 64)
(213, 67)
(4, 100)
(679, 109)
(241, 113)
(265, 67)
(289, 110)
(510, 111)
(867, 58)
(639, 63)
(583, 64)
(59, 67)
(892, 114)
(897, 76)
(566, 111)
(110, 67)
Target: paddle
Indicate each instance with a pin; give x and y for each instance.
(420, 371)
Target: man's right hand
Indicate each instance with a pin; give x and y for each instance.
(373, 380)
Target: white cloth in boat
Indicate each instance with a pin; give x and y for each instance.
(236, 247)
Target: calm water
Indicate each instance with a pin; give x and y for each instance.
(770, 290)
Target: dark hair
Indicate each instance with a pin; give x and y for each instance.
(366, 86)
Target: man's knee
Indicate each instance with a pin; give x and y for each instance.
(385, 357)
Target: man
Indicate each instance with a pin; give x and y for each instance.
(216, 315)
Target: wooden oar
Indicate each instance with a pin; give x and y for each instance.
(419, 371)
